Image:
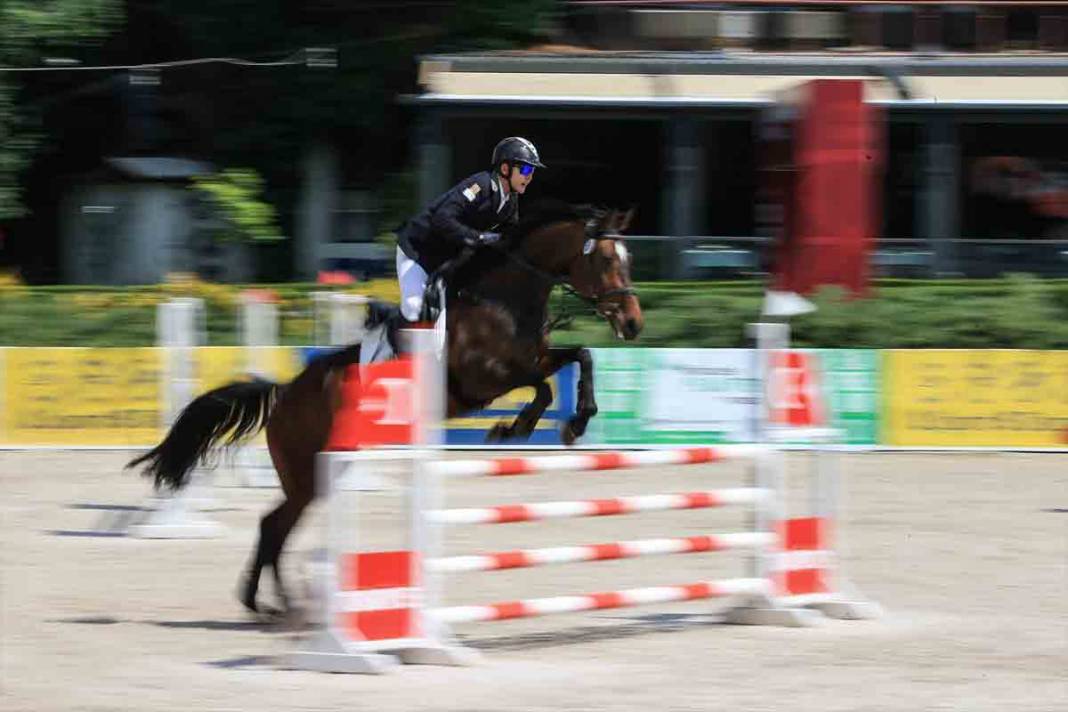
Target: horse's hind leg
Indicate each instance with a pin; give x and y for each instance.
(275, 528)
(288, 518)
(269, 534)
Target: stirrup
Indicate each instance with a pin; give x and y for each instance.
(433, 297)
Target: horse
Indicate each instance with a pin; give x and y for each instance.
(498, 327)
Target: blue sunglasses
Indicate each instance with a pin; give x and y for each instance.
(525, 169)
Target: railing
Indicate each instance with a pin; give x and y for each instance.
(692, 257)
(695, 257)
(739, 256)
(971, 257)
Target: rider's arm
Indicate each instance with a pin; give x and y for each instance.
(447, 219)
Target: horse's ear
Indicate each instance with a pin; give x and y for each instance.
(626, 218)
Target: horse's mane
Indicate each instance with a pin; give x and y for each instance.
(549, 210)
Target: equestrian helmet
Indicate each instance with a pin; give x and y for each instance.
(516, 150)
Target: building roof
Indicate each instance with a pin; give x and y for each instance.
(739, 78)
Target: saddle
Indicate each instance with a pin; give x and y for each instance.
(384, 322)
(433, 299)
(382, 328)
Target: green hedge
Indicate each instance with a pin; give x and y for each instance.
(1017, 312)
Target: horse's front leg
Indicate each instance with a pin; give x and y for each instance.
(528, 418)
(586, 407)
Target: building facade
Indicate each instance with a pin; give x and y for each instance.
(976, 166)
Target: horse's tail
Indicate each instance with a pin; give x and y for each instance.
(221, 417)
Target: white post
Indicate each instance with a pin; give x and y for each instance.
(334, 650)
(258, 322)
(765, 609)
(258, 325)
(846, 602)
(338, 318)
(180, 330)
(769, 472)
(330, 650)
(427, 494)
(769, 337)
(842, 601)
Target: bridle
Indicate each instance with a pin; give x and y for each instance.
(598, 301)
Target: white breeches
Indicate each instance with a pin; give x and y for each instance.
(412, 279)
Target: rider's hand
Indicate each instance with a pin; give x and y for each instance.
(489, 238)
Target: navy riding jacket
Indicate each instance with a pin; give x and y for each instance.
(454, 220)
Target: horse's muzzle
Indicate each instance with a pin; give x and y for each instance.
(631, 328)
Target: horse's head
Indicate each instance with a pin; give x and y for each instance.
(599, 269)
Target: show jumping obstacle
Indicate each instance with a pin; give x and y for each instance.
(381, 607)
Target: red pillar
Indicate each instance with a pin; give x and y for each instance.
(830, 193)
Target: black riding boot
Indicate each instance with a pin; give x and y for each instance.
(436, 285)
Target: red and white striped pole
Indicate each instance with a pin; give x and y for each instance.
(501, 467)
(511, 513)
(532, 607)
(526, 558)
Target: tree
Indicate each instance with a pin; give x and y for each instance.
(259, 118)
(28, 31)
(265, 119)
(235, 195)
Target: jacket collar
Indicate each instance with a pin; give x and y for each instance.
(495, 185)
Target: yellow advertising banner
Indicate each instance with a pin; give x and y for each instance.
(976, 398)
(217, 365)
(80, 396)
(507, 405)
(110, 396)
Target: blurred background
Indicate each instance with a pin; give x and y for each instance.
(133, 148)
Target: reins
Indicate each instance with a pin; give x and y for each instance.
(594, 302)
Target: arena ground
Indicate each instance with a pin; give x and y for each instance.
(967, 553)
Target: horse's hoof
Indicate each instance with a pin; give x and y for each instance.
(295, 618)
(262, 613)
(249, 602)
(567, 435)
(499, 432)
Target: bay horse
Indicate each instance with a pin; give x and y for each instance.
(498, 326)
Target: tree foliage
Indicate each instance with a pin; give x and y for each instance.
(261, 118)
(29, 30)
(266, 119)
(237, 196)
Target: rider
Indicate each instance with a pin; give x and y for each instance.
(469, 215)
